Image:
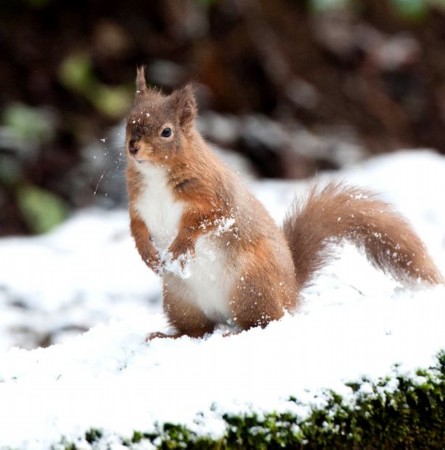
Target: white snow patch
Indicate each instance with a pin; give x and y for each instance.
(354, 322)
(179, 266)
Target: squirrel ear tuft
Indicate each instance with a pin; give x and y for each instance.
(186, 107)
(141, 84)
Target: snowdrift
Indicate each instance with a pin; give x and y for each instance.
(83, 289)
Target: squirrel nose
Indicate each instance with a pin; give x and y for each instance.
(133, 147)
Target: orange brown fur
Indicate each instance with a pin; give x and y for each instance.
(343, 212)
(257, 268)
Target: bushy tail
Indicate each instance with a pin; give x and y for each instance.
(337, 212)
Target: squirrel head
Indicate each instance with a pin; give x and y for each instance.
(159, 126)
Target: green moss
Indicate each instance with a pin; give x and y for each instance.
(93, 435)
(398, 412)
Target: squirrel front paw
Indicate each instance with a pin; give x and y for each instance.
(178, 265)
(181, 248)
(153, 260)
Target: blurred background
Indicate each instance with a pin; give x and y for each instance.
(296, 86)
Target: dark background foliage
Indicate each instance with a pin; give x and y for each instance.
(295, 85)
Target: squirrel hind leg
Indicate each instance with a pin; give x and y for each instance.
(257, 299)
(184, 316)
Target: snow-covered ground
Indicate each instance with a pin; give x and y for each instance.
(84, 289)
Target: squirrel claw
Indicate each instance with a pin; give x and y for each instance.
(232, 333)
(161, 335)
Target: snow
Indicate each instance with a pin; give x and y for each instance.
(87, 275)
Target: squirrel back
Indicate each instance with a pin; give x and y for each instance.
(221, 257)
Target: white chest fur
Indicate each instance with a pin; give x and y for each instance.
(157, 206)
(211, 280)
(208, 283)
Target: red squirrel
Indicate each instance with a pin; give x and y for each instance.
(221, 257)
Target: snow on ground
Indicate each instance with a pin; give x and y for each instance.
(87, 275)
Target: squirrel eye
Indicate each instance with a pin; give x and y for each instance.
(166, 132)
